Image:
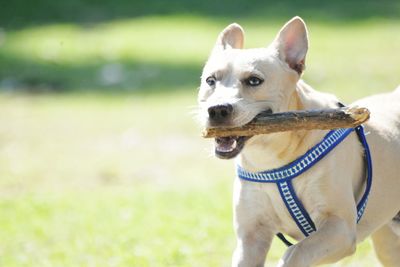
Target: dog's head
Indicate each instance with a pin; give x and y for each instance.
(237, 84)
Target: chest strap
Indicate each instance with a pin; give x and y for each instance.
(283, 177)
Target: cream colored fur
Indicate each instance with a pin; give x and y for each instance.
(330, 190)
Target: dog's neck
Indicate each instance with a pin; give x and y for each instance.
(275, 150)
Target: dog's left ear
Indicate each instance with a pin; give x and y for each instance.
(292, 44)
(231, 37)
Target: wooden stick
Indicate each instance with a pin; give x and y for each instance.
(322, 119)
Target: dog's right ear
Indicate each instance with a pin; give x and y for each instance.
(231, 37)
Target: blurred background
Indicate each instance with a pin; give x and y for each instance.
(101, 161)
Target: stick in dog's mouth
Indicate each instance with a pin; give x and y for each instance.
(321, 119)
(229, 142)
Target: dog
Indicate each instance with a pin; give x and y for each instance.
(236, 85)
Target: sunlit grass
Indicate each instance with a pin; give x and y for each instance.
(126, 227)
(132, 227)
(173, 40)
(114, 138)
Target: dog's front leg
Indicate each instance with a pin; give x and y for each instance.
(334, 240)
(252, 246)
(253, 225)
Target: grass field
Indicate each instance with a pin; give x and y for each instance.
(101, 162)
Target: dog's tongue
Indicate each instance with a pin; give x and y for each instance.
(225, 144)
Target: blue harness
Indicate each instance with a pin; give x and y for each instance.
(283, 177)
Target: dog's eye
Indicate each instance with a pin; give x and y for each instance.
(253, 81)
(211, 81)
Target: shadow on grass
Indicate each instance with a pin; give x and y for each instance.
(122, 76)
(21, 13)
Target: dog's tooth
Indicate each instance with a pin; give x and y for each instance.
(234, 144)
(226, 148)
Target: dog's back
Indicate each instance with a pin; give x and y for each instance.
(384, 140)
(383, 134)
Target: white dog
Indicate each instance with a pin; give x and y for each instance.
(236, 85)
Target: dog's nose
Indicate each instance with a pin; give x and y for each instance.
(220, 113)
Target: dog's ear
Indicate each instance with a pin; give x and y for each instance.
(231, 37)
(292, 44)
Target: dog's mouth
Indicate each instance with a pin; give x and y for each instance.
(229, 147)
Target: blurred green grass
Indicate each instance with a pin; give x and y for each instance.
(101, 161)
(154, 54)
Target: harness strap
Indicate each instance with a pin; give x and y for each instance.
(362, 204)
(300, 165)
(295, 208)
(283, 178)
